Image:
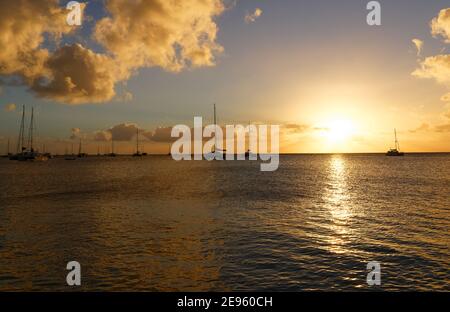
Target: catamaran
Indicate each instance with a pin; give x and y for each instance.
(395, 151)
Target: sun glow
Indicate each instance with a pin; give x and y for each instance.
(339, 130)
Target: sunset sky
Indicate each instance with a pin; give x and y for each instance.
(332, 82)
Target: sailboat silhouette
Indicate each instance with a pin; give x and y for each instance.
(395, 151)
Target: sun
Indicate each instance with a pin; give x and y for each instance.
(339, 130)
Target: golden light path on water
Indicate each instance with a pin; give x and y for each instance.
(338, 203)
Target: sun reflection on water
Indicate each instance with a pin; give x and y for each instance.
(336, 198)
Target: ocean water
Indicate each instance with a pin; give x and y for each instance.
(153, 224)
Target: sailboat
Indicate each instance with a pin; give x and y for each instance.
(71, 156)
(395, 151)
(21, 139)
(138, 153)
(217, 153)
(80, 153)
(112, 154)
(249, 154)
(8, 154)
(25, 153)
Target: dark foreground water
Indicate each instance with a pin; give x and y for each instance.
(157, 225)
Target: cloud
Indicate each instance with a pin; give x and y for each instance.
(447, 113)
(75, 133)
(251, 17)
(446, 97)
(102, 136)
(419, 45)
(168, 34)
(443, 128)
(173, 35)
(23, 26)
(77, 75)
(125, 97)
(161, 134)
(422, 127)
(440, 25)
(11, 107)
(435, 67)
(296, 128)
(124, 132)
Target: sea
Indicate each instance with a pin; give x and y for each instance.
(154, 224)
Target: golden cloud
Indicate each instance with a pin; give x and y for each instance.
(11, 107)
(77, 75)
(419, 45)
(250, 18)
(435, 67)
(440, 25)
(168, 34)
(172, 35)
(22, 28)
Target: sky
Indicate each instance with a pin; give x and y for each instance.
(316, 68)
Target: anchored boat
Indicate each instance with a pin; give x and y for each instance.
(395, 151)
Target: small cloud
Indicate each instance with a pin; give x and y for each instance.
(125, 97)
(75, 133)
(419, 45)
(11, 107)
(422, 127)
(446, 97)
(124, 132)
(443, 128)
(296, 128)
(161, 134)
(250, 18)
(102, 136)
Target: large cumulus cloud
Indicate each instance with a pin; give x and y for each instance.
(77, 75)
(171, 34)
(167, 33)
(23, 26)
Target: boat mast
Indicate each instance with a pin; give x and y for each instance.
(21, 139)
(30, 131)
(137, 140)
(79, 148)
(8, 148)
(397, 145)
(215, 128)
(112, 145)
